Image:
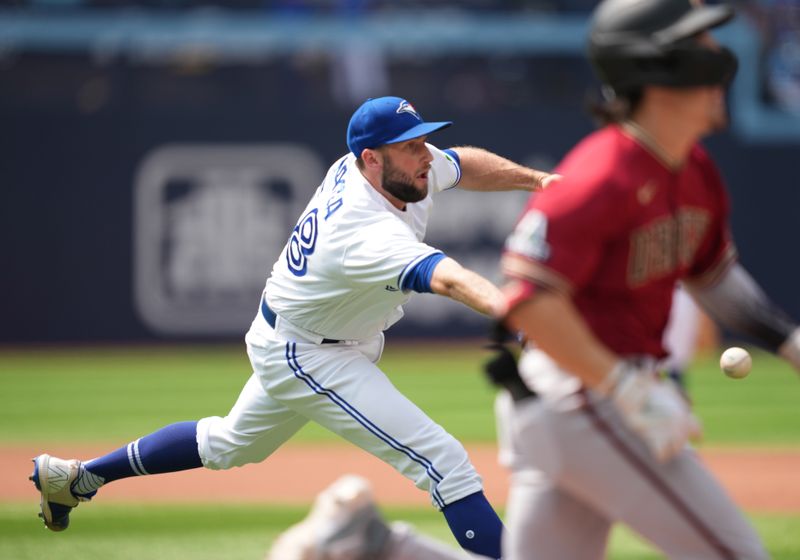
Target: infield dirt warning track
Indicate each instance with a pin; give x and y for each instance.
(764, 481)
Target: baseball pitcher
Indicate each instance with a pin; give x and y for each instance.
(354, 258)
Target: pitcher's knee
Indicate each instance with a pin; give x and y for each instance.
(220, 446)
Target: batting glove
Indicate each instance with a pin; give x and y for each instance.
(653, 408)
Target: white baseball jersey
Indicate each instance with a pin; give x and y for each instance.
(341, 276)
(342, 271)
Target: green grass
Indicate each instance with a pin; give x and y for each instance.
(759, 410)
(113, 394)
(201, 532)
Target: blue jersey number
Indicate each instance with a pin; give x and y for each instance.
(301, 243)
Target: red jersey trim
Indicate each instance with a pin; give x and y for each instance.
(517, 292)
(522, 268)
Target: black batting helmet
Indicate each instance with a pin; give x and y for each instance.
(633, 43)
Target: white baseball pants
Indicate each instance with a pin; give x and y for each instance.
(340, 387)
(577, 469)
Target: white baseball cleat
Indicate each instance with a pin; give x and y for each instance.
(343, 524)
(53, 478)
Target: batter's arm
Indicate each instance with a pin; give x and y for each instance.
(655, 410)
(737, 302)
(482, 170)
(470, 288)
(551, 320)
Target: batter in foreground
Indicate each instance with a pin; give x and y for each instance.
(591, 269)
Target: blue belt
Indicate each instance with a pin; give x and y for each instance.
(270, 316)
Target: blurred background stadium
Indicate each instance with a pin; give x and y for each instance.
(155, 153)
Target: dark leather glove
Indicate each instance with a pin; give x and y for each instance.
(501, 367)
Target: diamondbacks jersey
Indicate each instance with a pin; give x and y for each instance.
(342, 272)
(618, 232)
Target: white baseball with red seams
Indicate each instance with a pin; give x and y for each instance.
(735, 362)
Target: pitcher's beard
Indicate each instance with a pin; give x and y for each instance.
(401, 185)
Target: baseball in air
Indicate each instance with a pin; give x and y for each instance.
(736, 362)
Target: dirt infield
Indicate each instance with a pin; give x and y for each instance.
(759, 481)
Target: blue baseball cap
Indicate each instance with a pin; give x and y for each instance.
(386, 120)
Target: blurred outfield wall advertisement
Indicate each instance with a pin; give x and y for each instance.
(154, 164)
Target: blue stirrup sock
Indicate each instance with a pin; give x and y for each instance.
(170, 449)
(475, 525)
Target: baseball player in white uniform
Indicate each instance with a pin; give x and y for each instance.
(351, 262)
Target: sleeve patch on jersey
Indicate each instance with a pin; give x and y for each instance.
(418, 278)
(529, 238)
(452, 156)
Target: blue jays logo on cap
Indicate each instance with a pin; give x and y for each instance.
(387, 120)
(406, 107)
